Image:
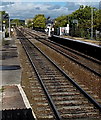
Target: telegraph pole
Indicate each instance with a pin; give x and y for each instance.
(9, 24)
(0, 27)
(91, 23)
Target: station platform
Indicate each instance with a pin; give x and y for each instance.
(14, 104)
(85, 40)
(86, 48)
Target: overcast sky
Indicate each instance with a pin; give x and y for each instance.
(51, 0)
(23, 9)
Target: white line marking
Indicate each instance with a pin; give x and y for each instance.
(27, 104)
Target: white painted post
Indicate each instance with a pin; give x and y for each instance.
(67, 29)
(60, 31)
(49, 31)
(4, 30)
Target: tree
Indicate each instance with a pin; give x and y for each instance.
(16, 22)
(39, 21)
(83, 15)
(61, 21)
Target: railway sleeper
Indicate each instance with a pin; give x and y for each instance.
(38, 95)
(56, 76)
(53, 81)
(65, 93)
(64, 98)
(61, 87)
(67, 89)
(50, 117)
(39, 98)
(79, 111)
(36, 87)
(59, 84)
(44, 110)
(62, 90)
(71, 102)
(37, 90)
(82, 115)
(81, 107)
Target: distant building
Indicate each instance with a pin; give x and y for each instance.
(63, 30)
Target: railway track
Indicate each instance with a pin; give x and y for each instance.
(87, 62)
(66, 98)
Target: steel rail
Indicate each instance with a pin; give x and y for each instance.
(73, 59)
(66, 48)
(56, 113)
(71, 80)
(94, 102)
(76, 52)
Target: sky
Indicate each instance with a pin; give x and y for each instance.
(50, 0)
(24, 9)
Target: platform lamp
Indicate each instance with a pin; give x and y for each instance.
(32, 25)
(7, 16)
(9, 27)
(4, 27)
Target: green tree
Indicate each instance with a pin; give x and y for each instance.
(39, 21)
(61, 21)
(83, 15)
(16, 22)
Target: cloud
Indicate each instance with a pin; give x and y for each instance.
(29, 10)
(54, 7)
(37, 8)
(23, 10)
(11, 1)
(6, 3)
(79, 1)
(72, 6)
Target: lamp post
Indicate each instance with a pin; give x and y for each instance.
(8, 17)
(32, 25)
(0, 32)
(4, 28)
(9, 26)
